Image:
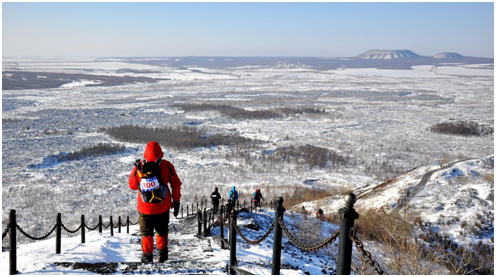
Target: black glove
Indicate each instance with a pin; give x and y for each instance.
(175, 205)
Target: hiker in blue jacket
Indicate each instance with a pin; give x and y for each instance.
(233, 195)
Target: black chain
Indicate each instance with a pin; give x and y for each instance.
(304, 246)
(254, 242)
(133, 223)
(108, 225)
(4, 234)
(366, 254)
(72, 232)
(91, 229)
(116, 225)
(35, 238)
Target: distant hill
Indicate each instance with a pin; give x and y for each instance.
(376, 54)
(446, 55)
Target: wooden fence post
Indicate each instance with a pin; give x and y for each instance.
(127, 224)
(58, 234)
(12, 243)
(100, 224)
(119, 225)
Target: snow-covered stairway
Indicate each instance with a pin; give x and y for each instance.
(120, 254)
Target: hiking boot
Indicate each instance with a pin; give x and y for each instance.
(162, 256)
(147, 258)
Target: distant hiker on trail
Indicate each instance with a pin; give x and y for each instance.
(320, 213)
(215, 196)
(233, 195)
(257, 195)
(150, 177)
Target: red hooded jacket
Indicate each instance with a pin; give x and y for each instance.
(167, 172)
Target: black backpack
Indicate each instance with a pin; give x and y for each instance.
(152, 188)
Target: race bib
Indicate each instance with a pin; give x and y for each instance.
(149, 184)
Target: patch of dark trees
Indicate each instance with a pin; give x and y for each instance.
(101, 149)
(182, 137)
(239, 113)
(14, 80)
(129, 70)
(462, 128)
(314, 156)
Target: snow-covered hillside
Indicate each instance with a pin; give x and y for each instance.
(456, 199)
(445, 55)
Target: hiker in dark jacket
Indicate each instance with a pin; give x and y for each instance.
(233, 195)
(320, 213)
(215, 196)
(257, 198)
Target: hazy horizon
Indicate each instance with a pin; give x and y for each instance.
(244, 29)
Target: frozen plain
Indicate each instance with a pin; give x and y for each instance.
(378, 119)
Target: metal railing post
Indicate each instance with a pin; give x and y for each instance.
(348, 216)
(199, 223)
(127, 224)
(276, 252)
(111, 227)
(205, 215)
(222, 246)
(182, 211)
(82, 229)
(119, 225)
(232, 239)
(12, 243)
(58, 234)
(187, 210)
(100, 224)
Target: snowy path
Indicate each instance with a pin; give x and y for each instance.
(188, 254)
(425, 178)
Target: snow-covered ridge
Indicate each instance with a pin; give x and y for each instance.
(445, 55)
(377, 54)
(457, 198)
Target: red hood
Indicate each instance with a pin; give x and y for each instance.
(153, 151)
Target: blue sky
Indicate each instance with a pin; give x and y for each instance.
(245, 29)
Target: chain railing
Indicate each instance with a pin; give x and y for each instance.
(257, 241)
(4, 234)
(278, 227)
(33, 237)
(69, 231)
(303, 246)
(366, 254)
(12, 227)
(91, 229)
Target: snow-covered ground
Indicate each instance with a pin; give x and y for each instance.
(378, 120)
(456, 199)
(185, 249)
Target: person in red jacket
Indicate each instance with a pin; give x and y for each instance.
(156, 215)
